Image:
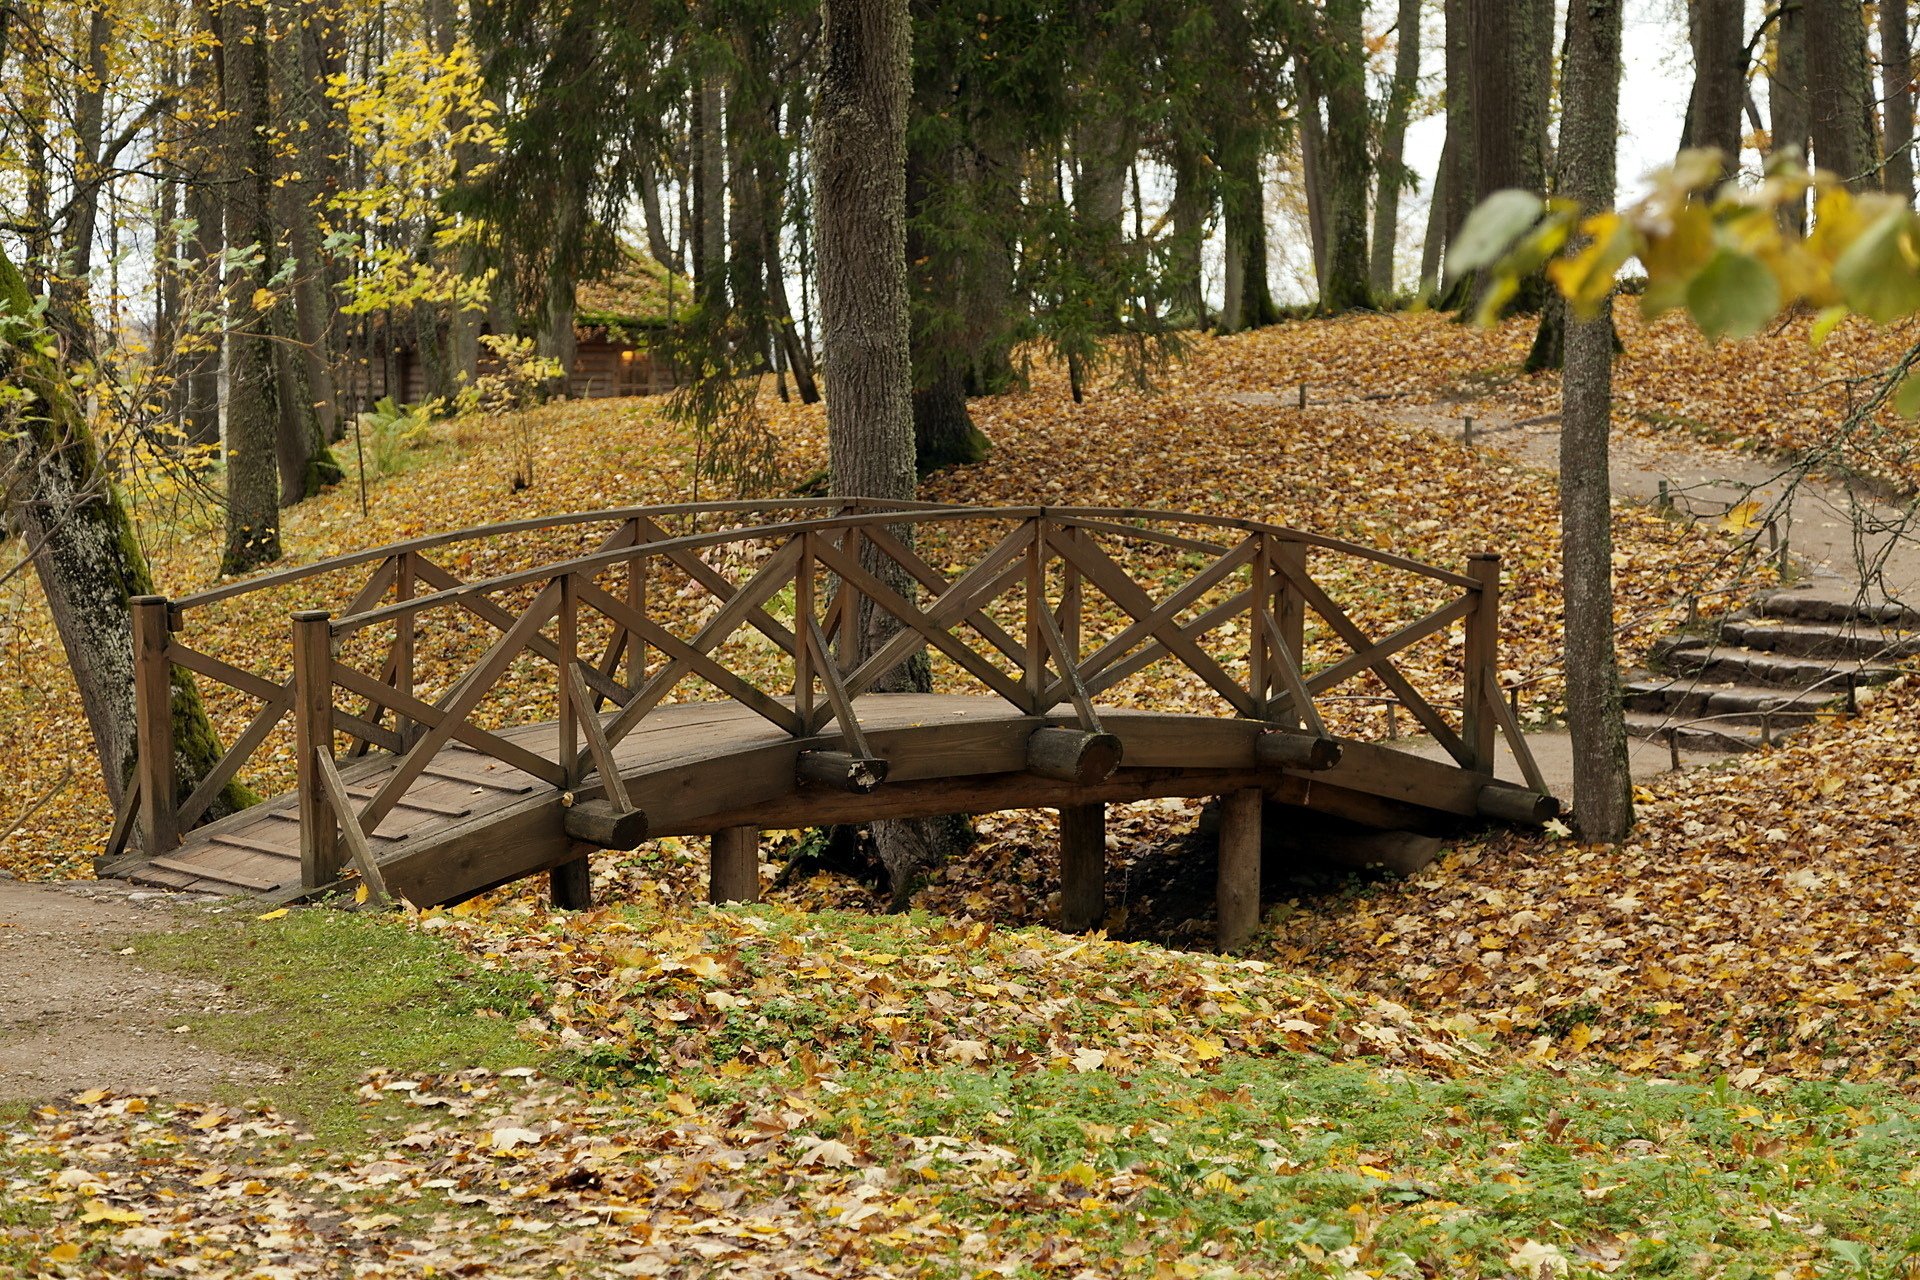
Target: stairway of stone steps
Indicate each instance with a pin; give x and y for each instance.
(1797, 654)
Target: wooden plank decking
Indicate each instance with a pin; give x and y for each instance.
(472, 821)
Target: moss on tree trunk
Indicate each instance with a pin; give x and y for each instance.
(86, 556)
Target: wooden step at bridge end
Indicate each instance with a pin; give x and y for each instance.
(842, 770)
(604, 825)
(1073, 755)
(1283, 748)
(1505, 803)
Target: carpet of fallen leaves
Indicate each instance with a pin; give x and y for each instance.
(1764, 921)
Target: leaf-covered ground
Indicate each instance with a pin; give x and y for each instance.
(752, 1092)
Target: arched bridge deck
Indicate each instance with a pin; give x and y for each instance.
(450, 735)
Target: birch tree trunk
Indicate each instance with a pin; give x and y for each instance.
(1602, 785)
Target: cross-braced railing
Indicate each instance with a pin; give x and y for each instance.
(796, 620)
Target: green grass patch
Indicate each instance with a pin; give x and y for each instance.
(1282, 1163)
(330, 994)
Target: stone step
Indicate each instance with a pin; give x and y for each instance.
(1725, 664)
(1829, 603)
(1695, 735)
(1821, 639)
(1689, 698)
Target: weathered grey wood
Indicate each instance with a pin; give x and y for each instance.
(1512, 804)
(1279, 748)
(313, 731)
(1237, 884)
(604, 825)
(570, 885)
(1083, 867)
(1073, 755)
(153, 725)
(842, 770)
(734, 871)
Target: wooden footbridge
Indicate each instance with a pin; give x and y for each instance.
(436, 735)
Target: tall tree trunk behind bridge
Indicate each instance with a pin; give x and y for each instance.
(88, 562)
(860, 201)
(1602, 784)
(1393, 139)
(1787, 96)
(1340, 66)
(1896, 94)
(1509, 47)
(253, 398)
(1839, 92)
(1717, 31)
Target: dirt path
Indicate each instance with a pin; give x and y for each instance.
(77, 1013)
(1844, 537)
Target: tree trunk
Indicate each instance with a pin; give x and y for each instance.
(1313, 171)
(1340, 66)
(1192, 201)
(1103, 149)
(1507, 44)
(1393, 138)
(69, 312)
(253, 399)
(1839, 98)
(1896, 93)
(1717, 31)
(1461, 179)
(1250, 298)
(860, 203)
(1602, 784)
(1787, 96)
(746, 260)
(556, 340)
(657, 245)
(198, 350)
(1434, 245)
(89, 564)
(709, 194)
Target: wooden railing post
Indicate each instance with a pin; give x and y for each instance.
(803, 623)
(1482, 659)
(403, 637)
(313, 728)
(1290, 611)
(569, 653)
(153, 725)
(1036, 673)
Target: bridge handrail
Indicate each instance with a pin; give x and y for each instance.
(1278, 593)
(1086, 517)
(530, 524)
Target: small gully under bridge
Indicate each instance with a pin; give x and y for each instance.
(456, 712)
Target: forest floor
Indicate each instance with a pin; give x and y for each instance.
(1692, 1053)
